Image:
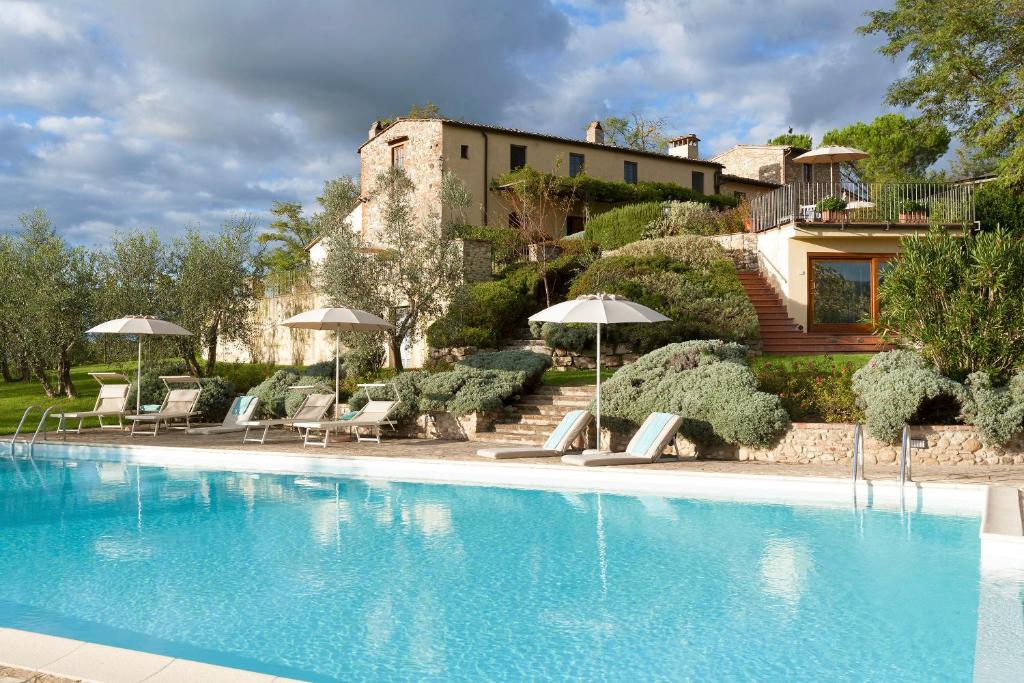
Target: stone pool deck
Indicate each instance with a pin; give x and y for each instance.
(287, 443)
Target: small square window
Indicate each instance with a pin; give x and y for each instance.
(398, 156)
(629, 171)
(808, 173)
(464, 151)
(517, 157)
(575, 165)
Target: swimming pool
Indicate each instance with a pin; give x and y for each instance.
(334, 578)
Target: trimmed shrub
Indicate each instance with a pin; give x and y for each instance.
(623, 225)
(245, 375)
(693, 218)
(997, 412)
(703, 302)
(901, 387)
(481, 315)
(272, 393)
(213, 404)
(706, 382)
(997, 206)
(408, 386)
(294, 399)
(698, 251)
(815, 390)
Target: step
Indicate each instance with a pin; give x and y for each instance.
(521, 430)
(566, 401)
(547, 422)
(587, 391)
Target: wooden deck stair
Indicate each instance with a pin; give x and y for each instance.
(531, 420)
(781, 334)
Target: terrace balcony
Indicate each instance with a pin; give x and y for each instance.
(866, 205)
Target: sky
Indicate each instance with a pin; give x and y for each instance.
(119, 114)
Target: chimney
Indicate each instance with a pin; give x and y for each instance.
(595, 133)
(375, 128)
(686, 146)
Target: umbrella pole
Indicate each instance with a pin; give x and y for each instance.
(337, 371)
(599, 387)
(138, 381)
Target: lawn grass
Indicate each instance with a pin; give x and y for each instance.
(574, 378)
(855, 360)
(15, 397)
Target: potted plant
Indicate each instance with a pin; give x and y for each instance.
(832, 209)
(913, 212)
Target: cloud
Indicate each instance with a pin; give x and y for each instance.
(117, 113)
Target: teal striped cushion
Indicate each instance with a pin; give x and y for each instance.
(242, 405)
(562, 429)
(647, 437)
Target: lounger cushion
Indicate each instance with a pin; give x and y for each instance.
(517, 452)
(598, 459)
(653, 433)
(567, 430)
(217, 429)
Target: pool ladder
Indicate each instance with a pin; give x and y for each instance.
(13, 440)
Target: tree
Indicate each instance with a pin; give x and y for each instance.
(407, 278)
(636, 131)
(971, 162)
(46, 300)
(791, 139)
(213, 294)
(901, 148)
(416, 111)
(291, 231)
(339, 197)
(964, 70)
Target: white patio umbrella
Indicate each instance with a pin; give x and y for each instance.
(600, 309)
(831, 155)
(340, 320)
(139, 325)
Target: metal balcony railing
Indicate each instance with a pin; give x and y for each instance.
(865, 203)
(286, 282)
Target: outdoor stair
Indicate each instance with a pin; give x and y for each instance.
(781, 334)
(531, 419)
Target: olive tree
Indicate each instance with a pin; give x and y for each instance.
(407, 277)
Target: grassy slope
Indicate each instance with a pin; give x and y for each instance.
(857, 360)
(14, 398)
(574, 378)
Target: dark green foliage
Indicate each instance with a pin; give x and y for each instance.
(997, 206)
(901, 387)
(812, 390)
(802, 140)
(623, 225)
(960, 299)
(245, 375)
(322, 370)
(704, 302)
(508, 245)
(706, 382)
(481, 315)
(997, 411)
(320, 385)
(273, 392)
(218, 393)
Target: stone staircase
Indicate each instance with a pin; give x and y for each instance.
(531, 419)
(781, 334)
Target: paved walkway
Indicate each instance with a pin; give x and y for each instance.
(286, 442)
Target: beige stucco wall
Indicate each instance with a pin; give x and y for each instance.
(552, 157)
(783, 253)
(730, 187)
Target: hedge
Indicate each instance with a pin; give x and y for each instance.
(623, 225)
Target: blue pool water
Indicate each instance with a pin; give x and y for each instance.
(343, 579)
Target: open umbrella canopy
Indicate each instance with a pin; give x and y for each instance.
(598, 308)
(601, 309)
(139, 325)
(831, 154)
(338, 319)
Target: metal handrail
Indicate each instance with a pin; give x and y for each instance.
(858, 453)
(903, 471)
(21, 423)
(42, 421)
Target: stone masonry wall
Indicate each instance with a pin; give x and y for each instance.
(476, 260)
(742, 249)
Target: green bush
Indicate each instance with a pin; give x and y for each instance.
(697, 251)
(832, 203)
(623, 225)
(693, 218)
(960, 299)
(273, 391)
(997, 411)
(508, 245)
(408, 386)
(901, 387)
(245, 375)
(293, 399)
(813, 390)
(323, 370)
(703, 302)
(996, 206)
(213, 404)
(706, 382)
(481, 315)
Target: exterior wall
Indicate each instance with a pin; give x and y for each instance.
(773, 163)
(282, 345)
(773, 258)
(423, 165)
(742, 248)
(548, 156)
(730, 187)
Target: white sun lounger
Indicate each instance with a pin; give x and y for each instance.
(565, 434)
(179, 404)
(240, 412)
(375, 415)
(646, 446)
(313, 408)
(111, 402)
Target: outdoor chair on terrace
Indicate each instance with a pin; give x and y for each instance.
(241, 411)
(565, 434)
(375, 415)
(111, 402)
(646, 446)
(178, 405)
(313, 408)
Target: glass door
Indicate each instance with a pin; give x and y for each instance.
(843, 294)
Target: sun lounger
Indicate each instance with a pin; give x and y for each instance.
(646, 446)
(179, 404)
(240, 412)
(313, 408)
(111, 403)
(375, 415)
(565, 434)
